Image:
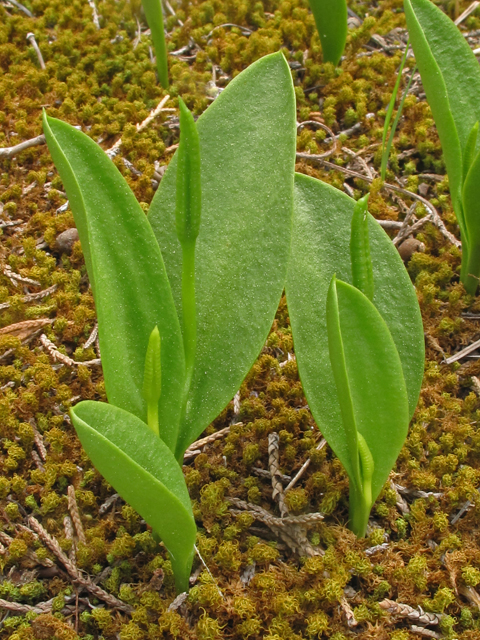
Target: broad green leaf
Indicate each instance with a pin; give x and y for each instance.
(320, 248)
(154, 14)
(331, 20)
(143, 470)
(451, 78)
(368, 378)
(247, 144)
(126, 271)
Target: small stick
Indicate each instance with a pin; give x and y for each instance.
(113, 151)
(33, 42)
(405, 611)
(263, 473)
(38, 439)
(96, 17)
(17, 4)
(194, 449)
(332, 137)
(278, 494)
(37, 461)
(464, 352)
(403, 229)
(467, 12)
(425, 632)
(32, 296)
(68, 527)
(92, 337)
(16, 277)
(9, 152)
(470, 594)
(73, 508)
(61, 357)
(208, 570)
(304, 467)
(391, 187)
(73, 572)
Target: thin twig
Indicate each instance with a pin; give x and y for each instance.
(33, 42)
(464, 352)
(113, 151)
(304, 467)
(278, 493)
(61, 357)
(74, 512)
(416, 615)
(96, 17)
(31, 296)
(72, 570)
(9, 152)
(208, 570)
(468, 11)
(17, 4)
(390, 187)
(193, 449)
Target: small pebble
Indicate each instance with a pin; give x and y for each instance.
(409, 247)
(65, 241)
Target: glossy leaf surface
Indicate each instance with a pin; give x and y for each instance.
(331, 20)
(320, 248)
(369, 380)
(143, 470)
(126, 271)
(247, 145)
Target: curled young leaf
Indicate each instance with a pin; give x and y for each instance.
(371, 392)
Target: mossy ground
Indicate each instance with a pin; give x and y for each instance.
(99, 80)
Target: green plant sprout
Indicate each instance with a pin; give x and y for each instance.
(154, 15)
(178, 337)
(387, 144)
(331, 20)
(451, 78)
(358, 335)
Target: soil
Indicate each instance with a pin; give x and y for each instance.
(90, 568)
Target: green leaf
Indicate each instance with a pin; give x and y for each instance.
(369, 379)
(469, 151)
(451, 78)
(331, 20)
(143, 470)
(471, 203)
(320, 248)
(126, 271)
(189, 193)
(152, 380)
(154, 14)
(247, 145)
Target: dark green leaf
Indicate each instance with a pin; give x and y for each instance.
(331, 20)
(129, 282)
(247, 144)
(143, 470)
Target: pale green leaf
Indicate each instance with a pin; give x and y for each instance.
(247, 144)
